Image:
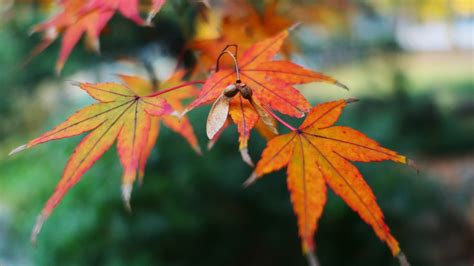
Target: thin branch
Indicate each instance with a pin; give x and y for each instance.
(279, 119)
(176, 88)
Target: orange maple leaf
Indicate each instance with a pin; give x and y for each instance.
(319, 154)
(87, 17)
(241, 24)
(128, 114)
(270, 83)
(175, 98)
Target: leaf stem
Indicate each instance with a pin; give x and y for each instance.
(190, 83)
(279, 119)
(235, 63)
(236, 48)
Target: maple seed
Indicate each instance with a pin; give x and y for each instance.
(217, 116)
(231, 90)
(272, 84)
(265, 117)
(245, 91)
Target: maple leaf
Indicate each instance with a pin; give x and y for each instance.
(123, 113)
(269, 82)
(175, 98)
(87, 17)
(334, 16)
(242, 25)
(318, 154)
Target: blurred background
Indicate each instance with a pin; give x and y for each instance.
(411, 64)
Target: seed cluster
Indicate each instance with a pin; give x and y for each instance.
(232, 90)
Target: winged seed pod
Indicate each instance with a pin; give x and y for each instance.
(219, 113)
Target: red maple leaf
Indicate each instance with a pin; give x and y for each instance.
(87, 17)
(128, 114)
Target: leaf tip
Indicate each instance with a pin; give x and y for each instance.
(295, 26)
(151, 15)
(402, 259)
(210, 144)
(339, 84)
(253, 177)
(148, 22)
(413, 165)
(352, 100)
(311, 258)
(140, 179)
(246, 157)
(18, 149)
(197, 149)
(75, 83)
(126, 195)
(37, 228)
(59, 68)
(33, 31)
(94, 45)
